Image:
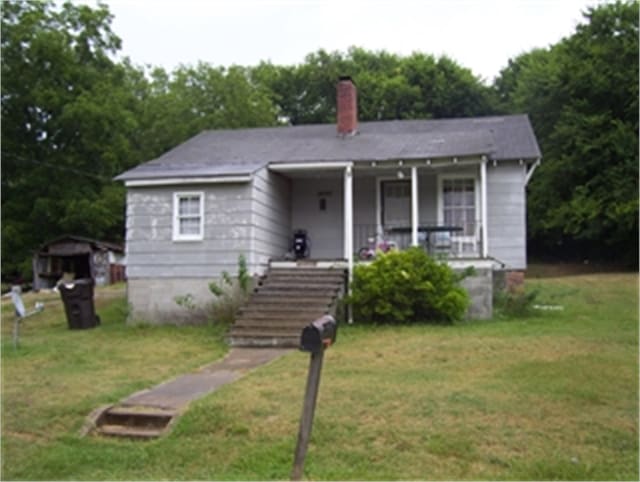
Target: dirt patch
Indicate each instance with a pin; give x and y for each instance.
(25, 436)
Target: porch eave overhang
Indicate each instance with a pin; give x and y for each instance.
(395, 163)
(389, 163)
(433, 162)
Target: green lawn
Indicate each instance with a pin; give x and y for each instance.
(553, 396)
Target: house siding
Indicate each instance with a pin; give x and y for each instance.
(159, 268)
(325, 228)
(364, 210)
(506, 212)
(271, 218)
(427, 199)
(364, 201)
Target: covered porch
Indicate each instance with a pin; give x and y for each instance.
(348, 208)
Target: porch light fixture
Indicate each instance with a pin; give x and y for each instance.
(400, 174)
(400, 162)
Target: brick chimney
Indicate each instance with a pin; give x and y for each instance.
(347, 107)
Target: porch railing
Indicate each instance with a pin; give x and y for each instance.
(459, 241)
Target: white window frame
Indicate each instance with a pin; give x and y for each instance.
(458, 239)
(177, 236)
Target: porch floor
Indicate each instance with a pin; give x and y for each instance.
(456, 263)
(309, 263)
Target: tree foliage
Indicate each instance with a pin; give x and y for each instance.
(189, 100)
(582, 96)
(389, 87)
(65, 124)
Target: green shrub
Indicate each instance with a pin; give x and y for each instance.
(231, 293)
(407, 286)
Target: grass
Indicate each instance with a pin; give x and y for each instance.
(552, 396)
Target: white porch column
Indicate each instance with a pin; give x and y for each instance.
(483, 208)
(348, 231)
(414, 206)
(348, 217)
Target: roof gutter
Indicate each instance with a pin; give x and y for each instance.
(531, 171)
(172, 181)
(309, 166)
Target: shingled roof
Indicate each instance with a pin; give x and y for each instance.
(243, 151)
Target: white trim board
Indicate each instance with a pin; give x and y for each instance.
(174, 181)
(309, 166)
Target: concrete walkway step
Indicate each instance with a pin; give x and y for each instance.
(270, 312)
(299, 321)
(306, 272)
(291, 278)
(265, 332)
(276, 329)
(297, 291)
(264, 340)
(300, 285)
(129, 432)
(134, 421)
(283, 299)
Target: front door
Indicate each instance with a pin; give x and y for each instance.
(396, 210)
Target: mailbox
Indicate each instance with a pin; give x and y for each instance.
(319, 334)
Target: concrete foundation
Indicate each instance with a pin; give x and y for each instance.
(480, 289)
(153, 300)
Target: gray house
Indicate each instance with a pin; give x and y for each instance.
(452, 185)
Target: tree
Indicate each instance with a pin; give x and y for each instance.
(193, 99)
(66, 112)
(390, 87)
(582, 96)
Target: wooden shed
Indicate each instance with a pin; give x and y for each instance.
(77, 257)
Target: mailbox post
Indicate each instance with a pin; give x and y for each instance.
(315, 338)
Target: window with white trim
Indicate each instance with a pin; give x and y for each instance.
(459, 204)
(188, 216)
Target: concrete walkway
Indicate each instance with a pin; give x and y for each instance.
(179, 392)
(152, 412)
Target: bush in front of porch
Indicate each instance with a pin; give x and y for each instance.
(406, 287)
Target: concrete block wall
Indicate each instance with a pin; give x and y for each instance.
(480, 289)
(153, 300)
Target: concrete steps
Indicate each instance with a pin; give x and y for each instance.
(286, 300)
(138, 422)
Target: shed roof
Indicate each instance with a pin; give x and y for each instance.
(243, 151)
(53, 246)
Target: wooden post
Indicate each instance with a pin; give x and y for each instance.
(306, 421)
(16, 332)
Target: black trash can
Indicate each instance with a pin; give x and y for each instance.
(77, 297)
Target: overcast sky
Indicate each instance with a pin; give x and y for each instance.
(479, 34)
